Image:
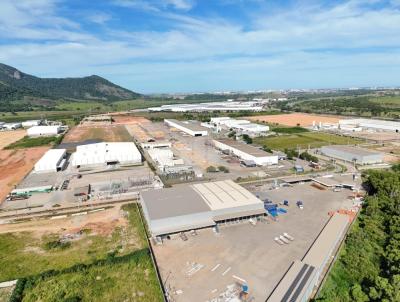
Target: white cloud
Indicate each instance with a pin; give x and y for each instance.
(99, 17)
(347, 42)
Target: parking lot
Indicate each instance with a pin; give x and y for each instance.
(205, 264)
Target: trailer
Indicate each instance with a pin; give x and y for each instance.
(30, 191)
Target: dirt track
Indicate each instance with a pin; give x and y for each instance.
(295, 119)
(103, 222)
(14, 165)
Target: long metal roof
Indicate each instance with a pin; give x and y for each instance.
(351, 150)
(256, 152)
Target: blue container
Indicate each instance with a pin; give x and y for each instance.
(245, 288)
(283, 211)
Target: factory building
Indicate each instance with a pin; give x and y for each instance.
(240, 126)
(371, 124)
(188, 127)
(352, 154)
(99, 154)
(188, 207)
(43, 131)
(52, 161)
(11, 126)
(246, 152)
(303, 277)
(31, 123)
(229, 106)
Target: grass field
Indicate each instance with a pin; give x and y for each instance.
(304, 140)
(29, 142)
(94, 267)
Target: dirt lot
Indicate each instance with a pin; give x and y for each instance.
(9, 137)
(377, 136)
(294, 119)
(128, 120)
(102, 223)
(14, 165)
(105, 133)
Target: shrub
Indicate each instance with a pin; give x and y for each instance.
(223, 169)
(211, 169)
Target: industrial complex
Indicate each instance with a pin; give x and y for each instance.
(230, 106)
(226, 220)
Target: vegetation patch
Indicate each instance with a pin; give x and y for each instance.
(304, 140)
(290, 130)
(368, 267)
(30, 142)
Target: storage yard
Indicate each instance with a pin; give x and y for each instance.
(111, 133)
(207, 263)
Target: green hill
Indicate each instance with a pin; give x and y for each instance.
(18, 89)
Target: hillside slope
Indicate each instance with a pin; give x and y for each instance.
(18, 86)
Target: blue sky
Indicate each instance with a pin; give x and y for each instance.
(206, 45)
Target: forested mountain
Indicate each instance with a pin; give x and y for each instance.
(18, 86)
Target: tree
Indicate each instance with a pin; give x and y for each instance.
(247, 139)
(211, 169)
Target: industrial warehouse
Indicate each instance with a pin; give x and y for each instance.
(371, 124)
(52, 161)
(352, 154)
(189, 207)
(44, 130)
(240, 126)
(188, 127)
(215, 106)
(246, 152)
(100, 154)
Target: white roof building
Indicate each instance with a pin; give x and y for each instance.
(52, 161)
(106, 153)
(31, 123)
(247, 152)
(243, 126)
(188, 127)
(11, 126)
(372, 124)
(43, 130)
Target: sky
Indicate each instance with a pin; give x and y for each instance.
(167, 46)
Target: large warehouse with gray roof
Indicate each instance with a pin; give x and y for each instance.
(189, 207)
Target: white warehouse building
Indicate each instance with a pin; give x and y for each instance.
(188, 127)
(371, 124)
(188, 207)
(31, 123)
(124, 153)
(52, 161)
(43, 131)
(247, 152)
(242, 126)
(352, 154)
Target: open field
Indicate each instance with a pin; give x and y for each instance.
(245, 251)
(102, 133)
(305, 140)
(15, 164)
(295, 119)
(101, 255)
(9, 137)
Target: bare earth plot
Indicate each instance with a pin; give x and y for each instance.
(108, 133)
(9, 137)
(295, 119)
(15, 164)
